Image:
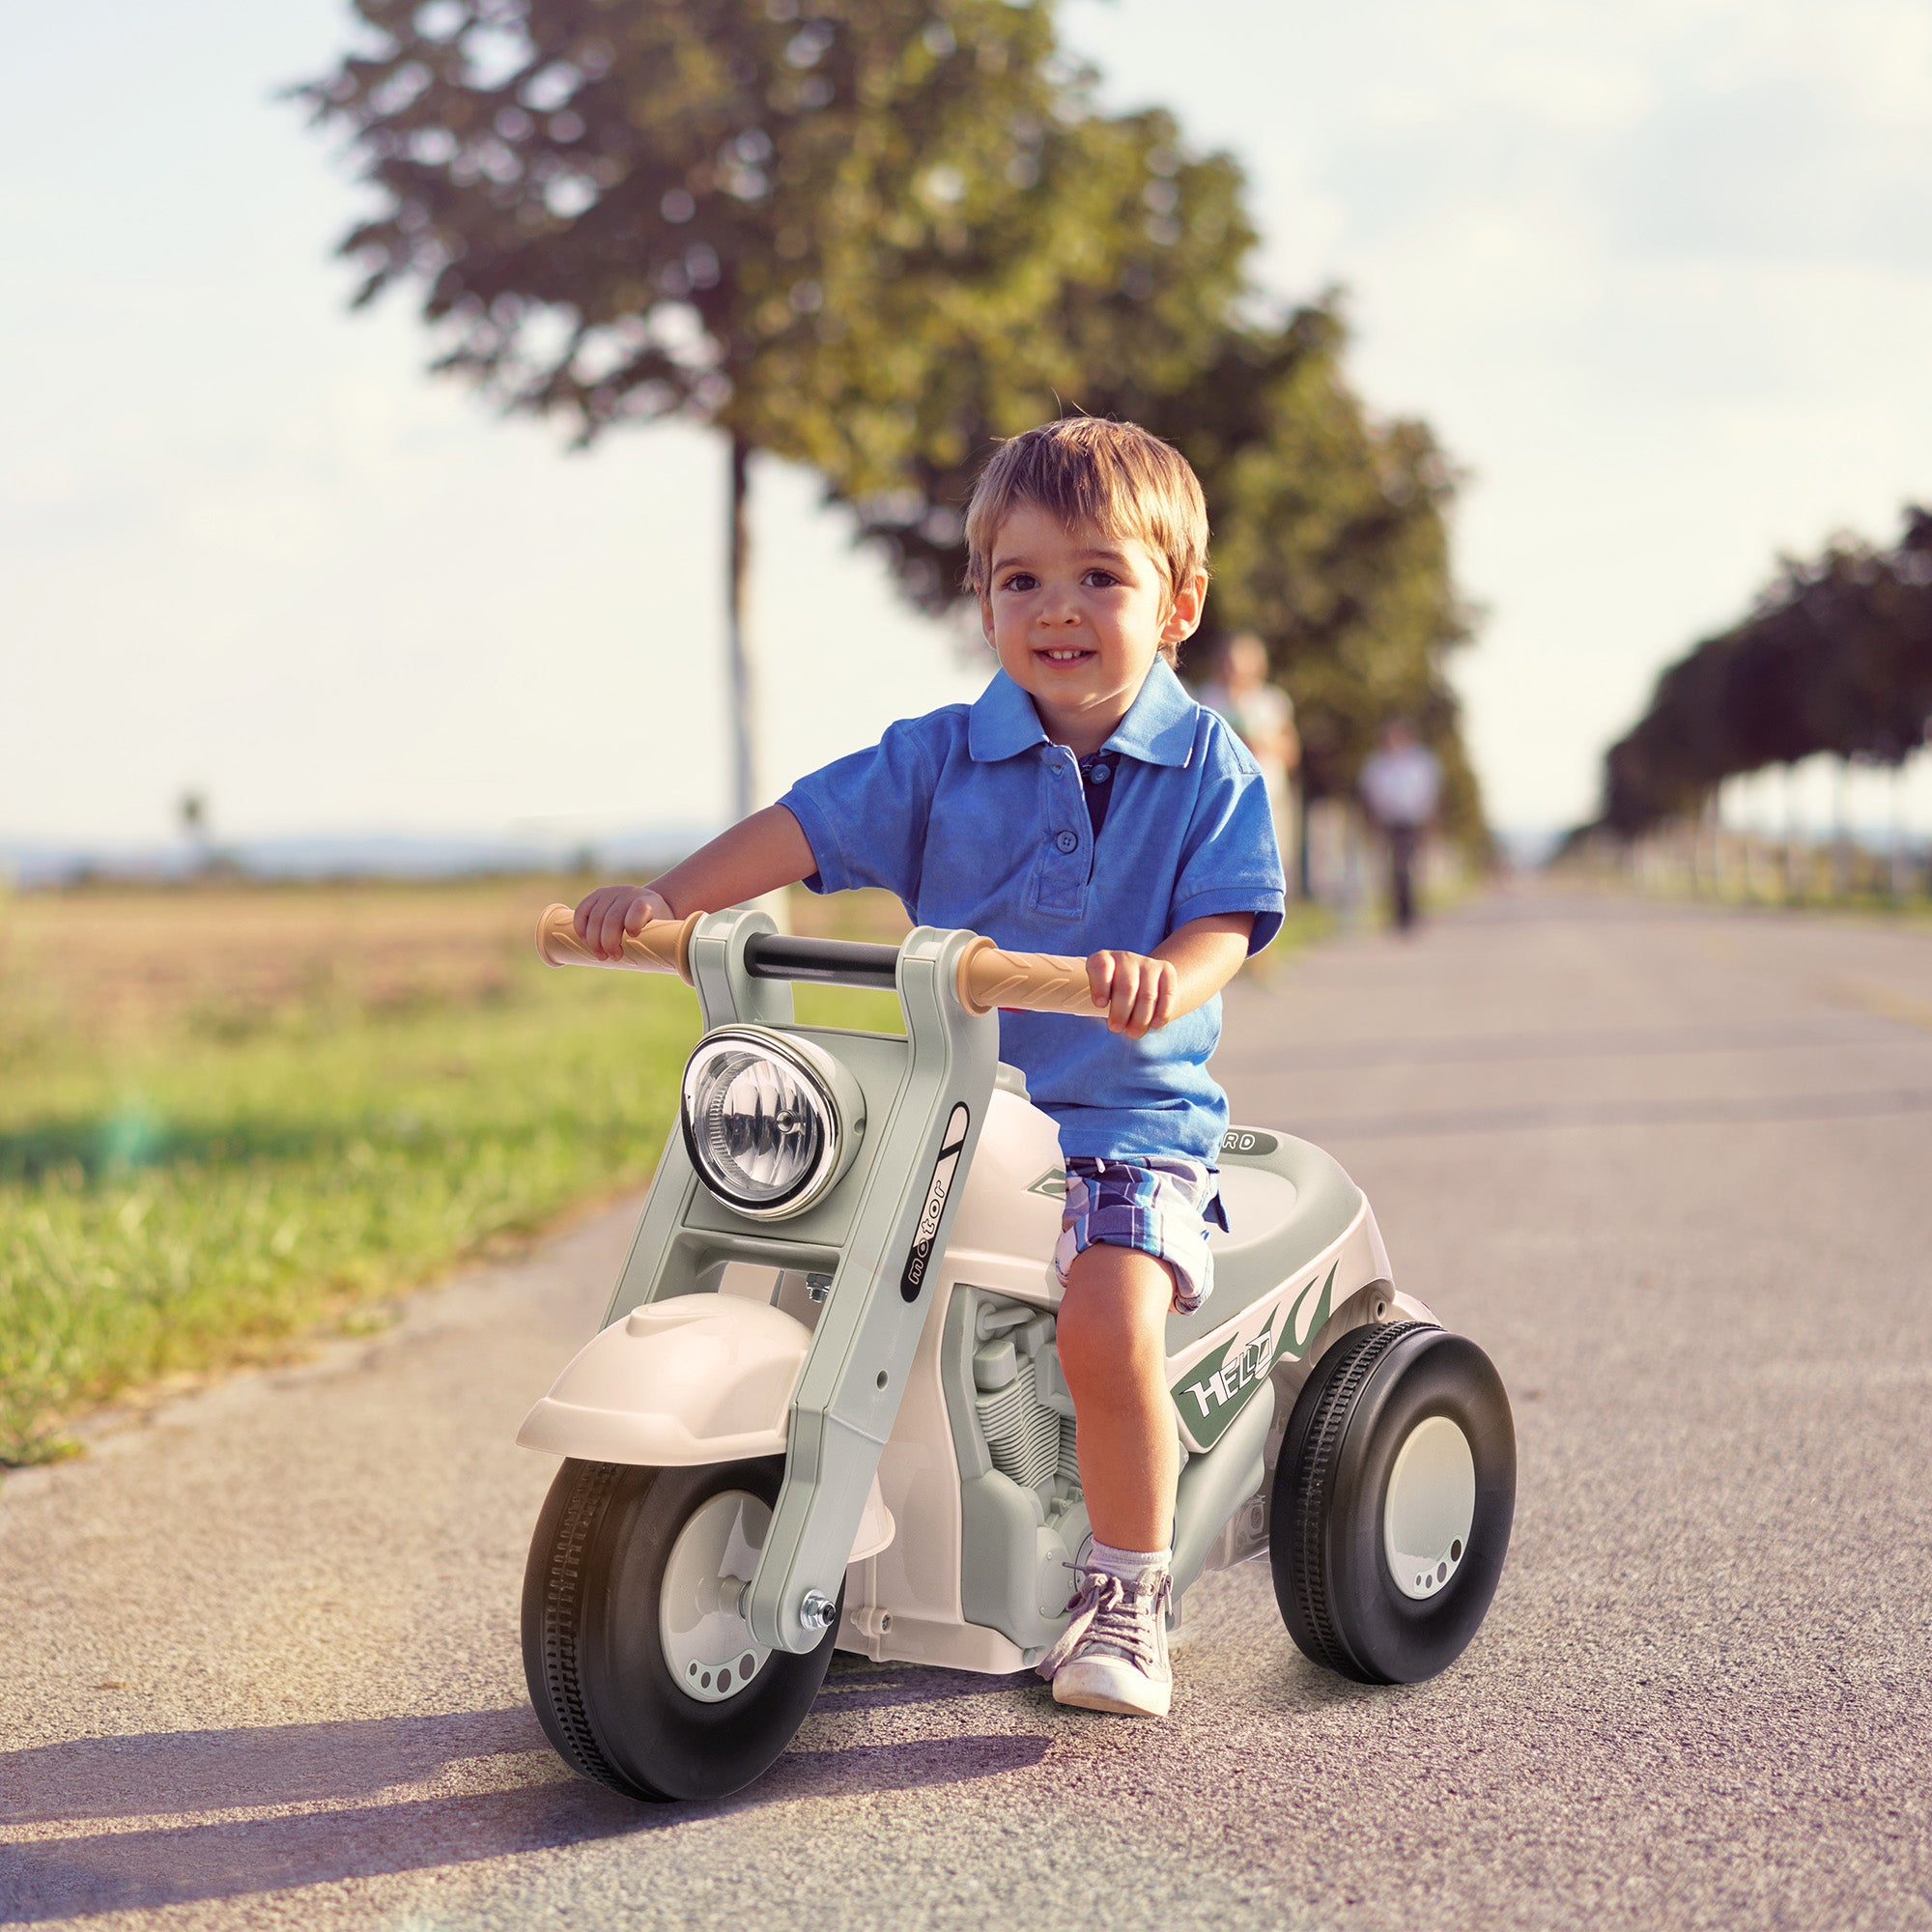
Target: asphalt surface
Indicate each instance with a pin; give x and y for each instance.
(1673, 1170)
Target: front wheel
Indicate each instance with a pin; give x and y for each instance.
(643, 1674)
(1393, 1497)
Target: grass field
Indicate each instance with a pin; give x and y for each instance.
(230, 1118)
(233, 1117)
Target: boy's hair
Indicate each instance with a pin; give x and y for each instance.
(1091, 470)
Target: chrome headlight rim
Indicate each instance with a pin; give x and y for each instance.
(829, 1085)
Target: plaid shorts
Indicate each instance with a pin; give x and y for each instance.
(1162, 1205)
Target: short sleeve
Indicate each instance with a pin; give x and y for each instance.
(1231, 861)
(865, 816)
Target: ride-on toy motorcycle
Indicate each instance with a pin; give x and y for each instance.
(826, 1410)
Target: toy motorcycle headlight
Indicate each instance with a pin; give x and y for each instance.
(770, 1121)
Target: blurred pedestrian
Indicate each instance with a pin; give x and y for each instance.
(1263, 717)
(1401, 783)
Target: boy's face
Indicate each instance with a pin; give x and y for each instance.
(1077, 617)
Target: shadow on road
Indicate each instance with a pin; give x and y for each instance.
(854, 1684)
(125, 1871)
(228, 1771)
(291, 1764)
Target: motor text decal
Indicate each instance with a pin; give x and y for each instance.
(927, 1231)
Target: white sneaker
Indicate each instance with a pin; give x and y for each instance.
(1113, 1656)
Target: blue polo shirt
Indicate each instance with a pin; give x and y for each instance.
(971, 818)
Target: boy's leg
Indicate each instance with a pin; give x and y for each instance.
(1112, 1337)
(1112, 1328)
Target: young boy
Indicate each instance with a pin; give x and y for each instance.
(1085, 804)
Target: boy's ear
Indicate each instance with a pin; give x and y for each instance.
(986, 618)
(1185, 611)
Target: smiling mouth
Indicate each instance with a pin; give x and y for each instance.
(1069, 655)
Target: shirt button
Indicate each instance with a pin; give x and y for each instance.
(1068, 841)
(1099, 775)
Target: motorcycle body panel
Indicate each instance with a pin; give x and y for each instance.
(969, 1580)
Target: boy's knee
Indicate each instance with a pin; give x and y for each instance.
(1114, 1310)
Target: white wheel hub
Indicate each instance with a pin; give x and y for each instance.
(1429, 1506)
(707, 1643)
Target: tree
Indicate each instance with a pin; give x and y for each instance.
(1112, 282)
(1836, 656)
(621, 210)
(1330, 531)
(874, 236)
(1332, 543)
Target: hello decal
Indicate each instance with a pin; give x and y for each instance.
(1218, 1386)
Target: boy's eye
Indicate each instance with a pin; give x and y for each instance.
(1099, 580)
(1020, 579)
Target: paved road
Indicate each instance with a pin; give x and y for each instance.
(1673, 1169)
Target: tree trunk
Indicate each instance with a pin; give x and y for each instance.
(1790, 832)
(1841, 831)
(1303, 882)
(738, 648)
(1895, 879)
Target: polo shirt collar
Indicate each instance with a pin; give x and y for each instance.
(1002, 723)
(1158, 728)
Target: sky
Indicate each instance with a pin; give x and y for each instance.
(1660, 277)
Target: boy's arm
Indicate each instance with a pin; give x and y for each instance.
(1142, 991)
(756, 855)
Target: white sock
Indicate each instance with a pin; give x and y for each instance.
(1129, 1564)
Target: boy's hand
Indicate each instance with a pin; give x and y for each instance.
(608, 914)
(1139, 992)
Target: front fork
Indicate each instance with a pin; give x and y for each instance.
(861, 1350)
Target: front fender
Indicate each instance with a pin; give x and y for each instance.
(693, 1378)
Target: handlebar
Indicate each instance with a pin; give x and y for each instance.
(1040, 982)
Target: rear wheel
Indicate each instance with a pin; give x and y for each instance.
(1394, 1494)
(644, 1675)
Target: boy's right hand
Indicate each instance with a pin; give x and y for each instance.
(608, 914)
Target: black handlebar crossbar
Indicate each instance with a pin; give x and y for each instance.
(837, 962)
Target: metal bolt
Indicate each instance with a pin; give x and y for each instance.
(816, 1612)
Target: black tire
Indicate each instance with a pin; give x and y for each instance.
(593, 1656)
(1332, 1580)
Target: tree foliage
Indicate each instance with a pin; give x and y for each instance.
(1330, 531)
(1835, 656)
(623, 211)
(875, 237)
(1332, 543)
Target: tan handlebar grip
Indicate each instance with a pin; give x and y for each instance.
(663, 947)
(1038, 981)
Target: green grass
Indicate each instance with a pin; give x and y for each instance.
(187, 1205)
(1302, 924)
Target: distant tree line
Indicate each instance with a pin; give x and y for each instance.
(872, 237)
(1835, 657)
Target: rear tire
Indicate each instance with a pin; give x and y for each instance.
(1400, 1440)
(594, 1642)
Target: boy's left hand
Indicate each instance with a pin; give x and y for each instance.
(1138, 991)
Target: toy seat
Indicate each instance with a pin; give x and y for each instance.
(1286, 1202)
